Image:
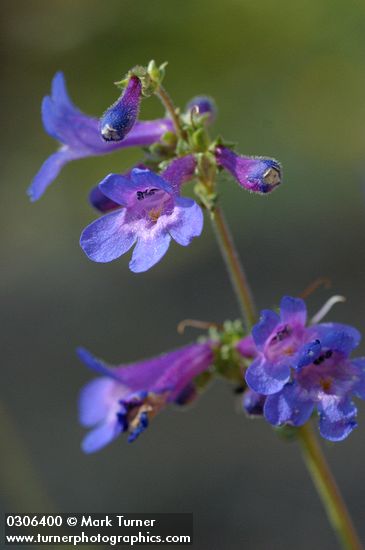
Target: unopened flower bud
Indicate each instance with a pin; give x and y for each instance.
(256, 174)
(202, 105)
(119, 119)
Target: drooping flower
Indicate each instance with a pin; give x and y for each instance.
(119, 119)
(300, 368)
(79, 135)
(127, 397)
(203, 105)
(256, 174)
(152, 213)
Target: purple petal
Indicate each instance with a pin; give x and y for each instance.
(337, 418)
(287, 406)
(148, 252)
(107, 238)
(145, 177)
(266, 378)
(48, 172)
(189, 222)
(347, 337)
(293, 311)
(308, 353)
(100, 201)
(101, 436)
(119, 119)
(247, 347)
(253, 403)
(359, 388)
(256, 174)
(97, 365)
(179, 171)
(59, 91)
(117, 188)
(94, 402)
(264, 328)
(341, 342)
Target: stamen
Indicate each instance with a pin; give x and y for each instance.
(326, 308)
(194, 323)
(325, 281)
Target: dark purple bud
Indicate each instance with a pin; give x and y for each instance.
(253, 403)
(202, 105)
(119, 119)
(256, 174)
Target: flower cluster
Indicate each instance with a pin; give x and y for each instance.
(144, 206)
(298, 368)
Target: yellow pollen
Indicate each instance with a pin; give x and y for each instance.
(288, 351)
(154, 214)
(326, 384)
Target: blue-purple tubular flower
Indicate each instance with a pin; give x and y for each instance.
(203, 106)
(150, 212)
(120, 118)
(301, 368)
(79, 135)
(179, 171)
(127, 397)
(256, 174)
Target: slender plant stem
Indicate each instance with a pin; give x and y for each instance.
(235, 269)
(170, 108)
(319, 470)
(327, 489)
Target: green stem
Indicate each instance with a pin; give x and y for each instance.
(170, 108)
(234, 267)
(319, 470)
(327, 489)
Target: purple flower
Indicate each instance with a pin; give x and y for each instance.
(256, 174)
(79, 135)
(119, 119)
(127, 397)
(283, 342)
(301, 368)
(152, 214)
(179, 171)
(202, 105)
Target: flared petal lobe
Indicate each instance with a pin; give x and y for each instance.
(79, 135)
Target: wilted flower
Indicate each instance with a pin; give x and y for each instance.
(79, 135)
(256, 174)
(127, 397)
(152, 214)
(119, 119)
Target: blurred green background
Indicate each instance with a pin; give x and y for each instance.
(289, 81)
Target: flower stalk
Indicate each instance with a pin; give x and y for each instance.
(327, 489)
(237, 274)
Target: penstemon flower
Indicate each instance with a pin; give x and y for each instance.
(127, 397)
(152, 214)
(202, 106)
(256, 174)
(301, 367)
(119, 119)
(79, 135)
